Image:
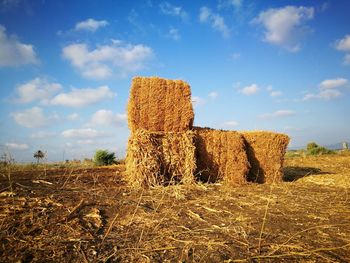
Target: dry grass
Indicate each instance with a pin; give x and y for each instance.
(305, 220)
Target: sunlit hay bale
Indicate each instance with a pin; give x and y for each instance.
(221, 155)
(160, 158)
(266, 152)
(157, 104)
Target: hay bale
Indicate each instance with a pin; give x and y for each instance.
(158, 158)
(221, 155)
(266, 154)
(157, 104)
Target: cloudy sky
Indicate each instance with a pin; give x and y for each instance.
(66, 69)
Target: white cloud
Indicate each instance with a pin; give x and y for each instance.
(250, 90)
(33, 118)
(275, 93)
(72, 117)
(204, 14)
(326, 94)
(198, 101)
(42, 135)
(119, 58)
(90, 25)
(87, 133)
(174, 34)
(17, 146)
(86, 141)
(82, 97)
(333, 83)
(328, 89)
(236, 56)
(284, 26)
(13, 52)
(36, 89)
(216, 21)
(343, 44)
(346, 59)
(231, 123)
(107, 117)
(230, 3)
(169, 9)
(278, 114)
(213, 94)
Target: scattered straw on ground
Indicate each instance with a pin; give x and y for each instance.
(90, 215)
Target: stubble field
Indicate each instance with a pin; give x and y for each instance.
(77, 214)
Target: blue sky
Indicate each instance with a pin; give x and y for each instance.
(66, 69)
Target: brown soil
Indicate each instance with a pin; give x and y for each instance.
(91, 215)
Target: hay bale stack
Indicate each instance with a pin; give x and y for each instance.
(158, 158)
(158, 104)
(265, 153)
(221, 155)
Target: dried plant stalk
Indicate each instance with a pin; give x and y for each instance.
(156, 158)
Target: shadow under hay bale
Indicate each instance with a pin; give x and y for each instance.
(160, 158)
(221, 155)
(294, 173)
(158, 104)
(265, 152)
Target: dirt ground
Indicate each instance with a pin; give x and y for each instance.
(90, 215)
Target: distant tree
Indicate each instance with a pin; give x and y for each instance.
(103, 157)
(311, 145)
(6, 159)
(345, 146)
(39, 155)
(320, 151)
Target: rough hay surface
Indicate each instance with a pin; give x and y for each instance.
(221, 155)
(158, 104)
(157, 158)
(266, 152)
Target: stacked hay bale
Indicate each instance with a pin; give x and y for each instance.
(221, 155)
(158, 104)
(161, 145)
(265, 152)
(160, 158)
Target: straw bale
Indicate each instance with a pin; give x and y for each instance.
(221, 155)
(158, 158)
(266, 154)
(158, 104)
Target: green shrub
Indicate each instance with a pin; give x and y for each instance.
(320, 151)
(311, 145)
(103, 157)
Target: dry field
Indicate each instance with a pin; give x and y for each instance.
(91, 215)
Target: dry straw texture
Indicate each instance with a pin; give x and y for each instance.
(157, 104)
(221, 155)
(265, 153)
(157, 158)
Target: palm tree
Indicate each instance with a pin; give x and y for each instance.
(39, 155)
